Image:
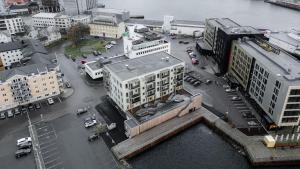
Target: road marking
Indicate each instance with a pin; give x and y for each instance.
(55, 165)
(51, 155)
(51, 161)
(42, 128)
(44, 147)
(55, 148)
(44, 134)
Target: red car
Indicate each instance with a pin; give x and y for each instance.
(195, 61)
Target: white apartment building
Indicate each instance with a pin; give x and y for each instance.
(5, 37)
(134, 82)
(10, 53)
(140, 41)
(270, 76)
(12, 23)
(84, 19)
(44, 20)
(107, 26)
(28, 84)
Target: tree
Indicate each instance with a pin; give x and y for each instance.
(77, 32)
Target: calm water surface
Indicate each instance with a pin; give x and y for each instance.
(199, 147)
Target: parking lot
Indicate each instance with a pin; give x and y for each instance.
(47, 139)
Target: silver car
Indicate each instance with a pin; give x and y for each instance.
(10, 113)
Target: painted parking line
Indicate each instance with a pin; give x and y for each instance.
(56, 165)
(51, 161)
(47, 146)
(51, 156)
(47, 133)
(52, 150)
(40, 128)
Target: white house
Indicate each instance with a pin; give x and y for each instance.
(140, 41)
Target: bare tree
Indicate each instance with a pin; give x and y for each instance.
(77, 32)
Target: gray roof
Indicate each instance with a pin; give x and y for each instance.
(10, 46)
(281, 64)
(32, 46)
(187, 22)
(104, 61)
(142, 65)
(109, 10)
(283, 36)
(108, 19)
(145, 22)
(38, 63)
(223, 22)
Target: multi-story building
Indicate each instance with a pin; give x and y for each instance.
(5, 37)
(77, 7)
(134, 82)
(84, 19)
(153, 25)
(12, 23)
(270, 76)
(38, 80)
(50, 6)
(220, 33)
(44, 20)
(140, 41)
(10, 53)
(121, 14)
(107, 26)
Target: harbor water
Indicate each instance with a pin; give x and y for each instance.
(199, 147)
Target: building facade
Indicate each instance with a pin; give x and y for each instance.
(107, 26)
(140, 41)
(135, 82)
(84, 19)
(270, 76)
(50, 6)
(10, 53)
(44, 20)
(12, 23)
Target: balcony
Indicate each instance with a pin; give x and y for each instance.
(132, 96)
(134, 86)
(150, 87)
(151, 93)
(133, 101)
(163, 75)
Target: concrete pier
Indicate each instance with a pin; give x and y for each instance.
(257, 152)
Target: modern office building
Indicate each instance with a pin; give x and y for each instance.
(63, 22)
(107, 26)
(140, 41)
(134, 82)
(34, 79)
(270, 76)
(77, 7)
(12, 23)
(219, 34)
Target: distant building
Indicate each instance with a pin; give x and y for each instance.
(5, 37)
(153, 25)
(134, 82)
(35, 79)
(12, 2)
(270, 76)
(140, 41)
(77, 7)
(107, 26)
(220, 33)
(50, 6)
(183, 27)
(12, 23)
(84, 19)
(24, 9)
(120, 14)
(43, 20)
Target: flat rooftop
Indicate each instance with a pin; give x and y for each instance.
(139, 34)
(99, 64)
(10, 46)
(45, 15)
(281, 64)
(188, 22)
(132, 68)
(145, 22)
(286, 37)
(109, 10)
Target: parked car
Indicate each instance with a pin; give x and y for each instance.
(24, 140)
(113, 42)
(252, 123)
(30, 107)
(68, 84)
(95, 53)
(89, 122)
(197, 83)
(84, 55)
(22, 152)
(10, 113)
(235, 98)
(189, 50)
(185, 77)
(111, 126)
(195, 61)
(192, 81)
(2, 116)
(50, 101)
(37, 105)
(189, 79)
(108, 46)
(173, 37)
(81, 111)
(180, 41)
(228, 90)
(186, 42)
(99, 53)
(25, 145)
(192, 55)
(93, 137)
(17, 111)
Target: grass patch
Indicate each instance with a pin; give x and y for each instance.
(86, 46)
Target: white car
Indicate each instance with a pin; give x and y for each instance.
(108, 46)
(113, 42)
(90, 123)
(10, 113)
(23, 140)
(236, 98)
(50, 101)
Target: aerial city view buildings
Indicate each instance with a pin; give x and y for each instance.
(88, 84)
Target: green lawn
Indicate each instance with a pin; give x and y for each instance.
(86, 46)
